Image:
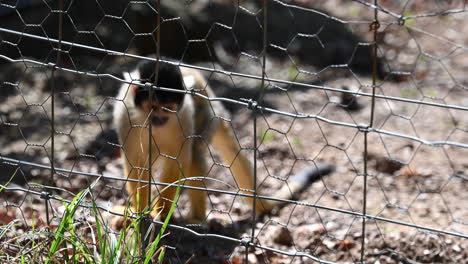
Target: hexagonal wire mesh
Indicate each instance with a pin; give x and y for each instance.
(377, 88)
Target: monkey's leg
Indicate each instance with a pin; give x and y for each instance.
(169, 174)
(197, 198)
(136, 164)
(138, 191)
(229, 147)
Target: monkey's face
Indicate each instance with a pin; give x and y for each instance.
(159, 112)
(162, 104)
(160, 107)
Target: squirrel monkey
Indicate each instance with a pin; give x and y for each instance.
(181, 125)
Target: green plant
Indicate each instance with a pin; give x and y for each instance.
(100, 244)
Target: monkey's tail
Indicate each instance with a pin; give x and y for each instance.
(301, 181)
(296, 185)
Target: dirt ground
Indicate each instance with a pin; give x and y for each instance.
(417, 146)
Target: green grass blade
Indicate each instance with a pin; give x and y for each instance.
(67, 223)
(161, 255)
(5, 228)
(2, 187)
(155, 243)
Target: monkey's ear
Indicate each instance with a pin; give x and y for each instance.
(189, 81)
(132, 76)
(127, 76)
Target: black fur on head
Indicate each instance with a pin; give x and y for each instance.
(169, 77)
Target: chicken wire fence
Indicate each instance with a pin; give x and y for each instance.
(377, 88)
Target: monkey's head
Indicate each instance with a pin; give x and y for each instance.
(163, 103)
